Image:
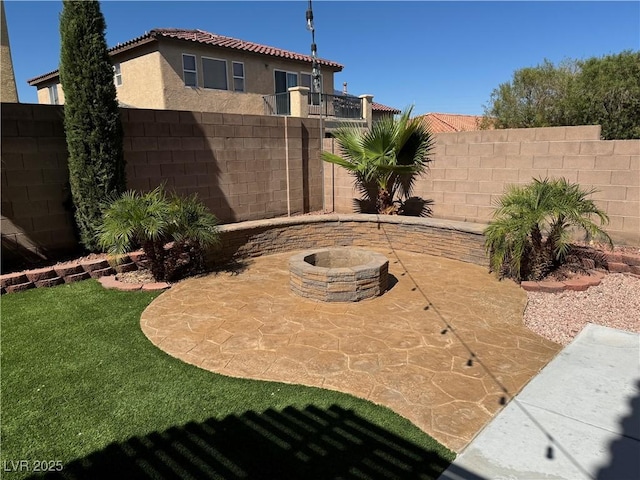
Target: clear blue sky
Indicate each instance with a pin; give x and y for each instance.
(440, 56)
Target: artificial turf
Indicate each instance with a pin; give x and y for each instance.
(82, 385)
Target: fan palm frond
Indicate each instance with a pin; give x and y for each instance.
(390, 155)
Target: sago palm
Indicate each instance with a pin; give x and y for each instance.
(389, 156)
(151, 220)
(532, 229)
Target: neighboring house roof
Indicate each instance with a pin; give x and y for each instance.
(204, 38)
(449, 122)
(378, 107)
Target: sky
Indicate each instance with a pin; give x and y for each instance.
(442, 57)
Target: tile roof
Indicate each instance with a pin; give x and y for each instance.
(378, 107)
(207, 38)
(449, 122)
(204, 38)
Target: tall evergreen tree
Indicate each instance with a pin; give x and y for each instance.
(91, 116)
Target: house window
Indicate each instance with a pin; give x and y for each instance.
(285, 80)
(189, 70)
(238, 77)
(214, 73)
(307, 81)
(117, 75)
(53, 95)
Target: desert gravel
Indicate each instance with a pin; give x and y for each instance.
(561, 316)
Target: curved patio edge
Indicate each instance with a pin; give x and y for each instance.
(445, 238)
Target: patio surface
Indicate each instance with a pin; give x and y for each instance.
(447, 362)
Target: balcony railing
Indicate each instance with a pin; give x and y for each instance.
(329, 106)
(277, 104)
(338, 106)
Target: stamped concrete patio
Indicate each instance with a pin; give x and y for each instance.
(444, 347)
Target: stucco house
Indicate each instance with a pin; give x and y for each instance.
(195, 70)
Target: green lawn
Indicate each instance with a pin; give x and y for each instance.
(82, 385)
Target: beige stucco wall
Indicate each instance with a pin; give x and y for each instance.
(142, 84)
(8, 91)
(43, 92)
(152, 77)
(259, 79)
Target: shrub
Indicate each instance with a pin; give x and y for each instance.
(174, 232)
(531, 233)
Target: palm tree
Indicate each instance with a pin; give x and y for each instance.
(386, 159)
(151, 221)
(531, 233)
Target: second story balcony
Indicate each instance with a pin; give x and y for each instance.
(334, 109)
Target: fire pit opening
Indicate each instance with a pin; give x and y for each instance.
(338, 274)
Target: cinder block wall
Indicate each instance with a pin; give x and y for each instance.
(236, 163)
(36, 202)
(471, 170)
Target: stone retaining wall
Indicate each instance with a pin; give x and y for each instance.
(462, 241)
(451, 239)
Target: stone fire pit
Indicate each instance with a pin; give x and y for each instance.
(338, 274)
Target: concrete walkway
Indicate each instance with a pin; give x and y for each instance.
(578, 419)
(447, 362)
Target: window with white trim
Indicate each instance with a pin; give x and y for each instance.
(214, 73)
(53, 95)
(189, 72)
(117, 75)
(238, 76)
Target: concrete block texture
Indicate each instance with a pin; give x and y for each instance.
(187, 151)
(193, 151)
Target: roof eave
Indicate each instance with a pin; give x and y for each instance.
(154, 36)
(120, 48)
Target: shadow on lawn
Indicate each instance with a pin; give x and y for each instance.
(304, 444)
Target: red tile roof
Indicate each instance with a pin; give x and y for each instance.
(378, 107)
(200, 36)
(205, 38)
(449, 122)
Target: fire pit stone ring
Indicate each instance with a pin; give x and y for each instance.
(338, 274)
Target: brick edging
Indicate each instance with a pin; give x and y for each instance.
(67, 273)
(577, 284)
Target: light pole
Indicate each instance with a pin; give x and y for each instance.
(315, 68)
(316, 87)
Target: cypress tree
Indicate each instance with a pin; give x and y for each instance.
(91, 116)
